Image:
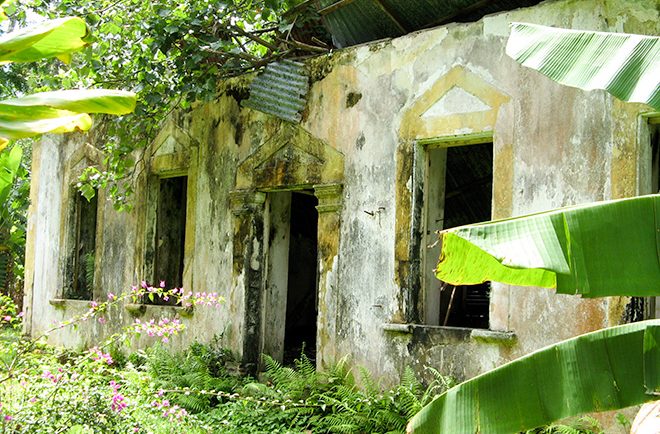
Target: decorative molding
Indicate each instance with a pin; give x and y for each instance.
(329, 196)
(290, 157)
(482, 102)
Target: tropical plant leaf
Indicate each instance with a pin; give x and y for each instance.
(596, 250)
(652, 360)
(54, 38)
(62, 122)
(9, 165)
(627, 66)
(115, 102)
(60, 111)
(599, 371)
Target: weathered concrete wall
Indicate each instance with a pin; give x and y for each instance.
(371, 111)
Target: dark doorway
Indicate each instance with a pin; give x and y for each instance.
(301, 305)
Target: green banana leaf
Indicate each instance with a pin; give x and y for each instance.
(599, 371)
(9, 164)
(59, 111)
(54, 38)
(596, 250)
(627, 66)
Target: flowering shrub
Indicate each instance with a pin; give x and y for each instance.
(9, 317)
(43, 389)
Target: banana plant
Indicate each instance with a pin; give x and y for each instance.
(625, 65)
(59, 111)
(574, 250)
(9, 165)
(604, 370)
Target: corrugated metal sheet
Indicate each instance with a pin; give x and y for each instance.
(357, 21)
(280, 90)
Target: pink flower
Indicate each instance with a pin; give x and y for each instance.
(21, 314)
(6, 318)
(111, 296)
(162, 284)
(98, 355)
(118, 402)
(8, 418)
(102, 320)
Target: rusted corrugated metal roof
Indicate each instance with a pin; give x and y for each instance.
(356, 21)
(280, 90)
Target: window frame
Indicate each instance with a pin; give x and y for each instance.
(647, 168)
(71, 267)
(429, 310)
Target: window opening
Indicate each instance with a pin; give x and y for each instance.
(301, 305)
(652, 308)
(170, 233)
(654, 137)
(458, 192)
(84, 226)
(642, 308)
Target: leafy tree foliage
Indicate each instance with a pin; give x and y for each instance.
(170, 53)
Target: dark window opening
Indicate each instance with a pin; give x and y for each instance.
(655, 157)
(301, 305)
(635, 310)
(642, 308)
(82, 271)
(460, 193)
(170, 234)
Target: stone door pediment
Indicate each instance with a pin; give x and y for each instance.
(291, 157)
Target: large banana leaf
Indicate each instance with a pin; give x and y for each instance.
(596, 250)
(627, 66)
(59, 111)
(9, 164)
(603, 370)
(54, 38)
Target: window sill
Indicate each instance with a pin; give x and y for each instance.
(139, 309)
(454, 334)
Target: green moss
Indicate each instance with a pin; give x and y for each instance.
(319, 67)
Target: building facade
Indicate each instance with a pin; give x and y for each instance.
(322, 231)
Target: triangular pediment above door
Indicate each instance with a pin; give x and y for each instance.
(290, 158)
(460, 102)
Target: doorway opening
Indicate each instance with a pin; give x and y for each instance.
(290, 305)
(301, 304)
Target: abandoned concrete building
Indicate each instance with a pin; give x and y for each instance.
(315, 216)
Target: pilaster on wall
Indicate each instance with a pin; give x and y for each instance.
(248, 209)
(329, 221)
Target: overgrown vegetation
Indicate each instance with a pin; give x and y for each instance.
(156, 390)
(44, 389)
